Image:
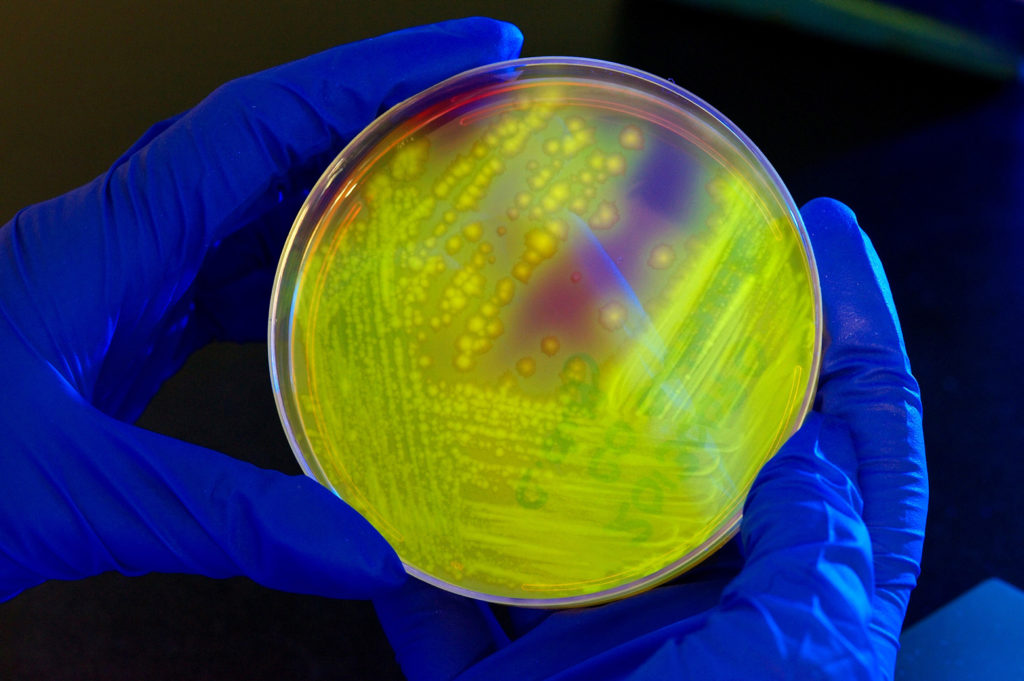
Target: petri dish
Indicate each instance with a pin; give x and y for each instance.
(542, 324)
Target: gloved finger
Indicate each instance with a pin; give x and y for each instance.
(245, 138)
(808, 576)
(866, 381)
(221, 517)
(144, 228)
(436, 634)
(110, 496)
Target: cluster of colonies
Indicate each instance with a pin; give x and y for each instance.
(567, 176)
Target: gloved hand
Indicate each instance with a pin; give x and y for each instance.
(105, 291)
(831, 538)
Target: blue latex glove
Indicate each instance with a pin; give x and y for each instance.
(831, 538)
(105, 291)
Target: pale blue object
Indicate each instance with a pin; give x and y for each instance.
(979, 635)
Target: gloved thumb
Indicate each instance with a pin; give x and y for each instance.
(126, 499)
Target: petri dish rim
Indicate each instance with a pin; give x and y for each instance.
(298, 243)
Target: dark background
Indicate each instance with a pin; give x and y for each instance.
(930, 157)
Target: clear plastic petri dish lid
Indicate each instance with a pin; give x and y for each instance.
(541, 325)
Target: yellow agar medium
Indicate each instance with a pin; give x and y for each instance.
(542, 331)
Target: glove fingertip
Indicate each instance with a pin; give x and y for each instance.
(510, 42)
(824, 212)
(323, 545)
(503, 37)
